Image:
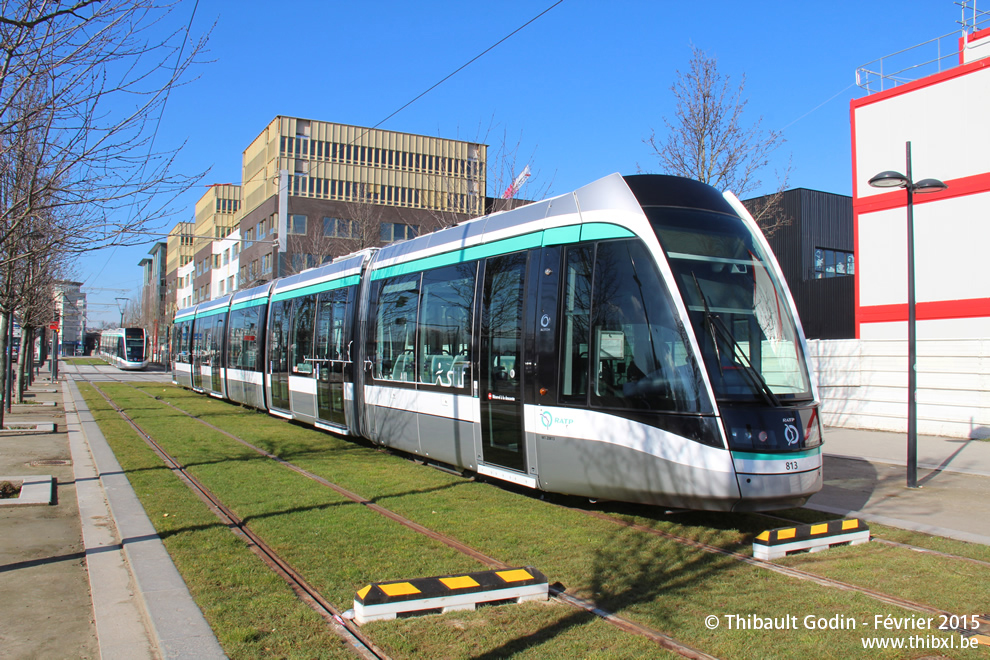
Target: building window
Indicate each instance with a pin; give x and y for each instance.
(339, 228)
(392, 232)
(297, 225)
(834, 263)
(261, 230)
(266, 263)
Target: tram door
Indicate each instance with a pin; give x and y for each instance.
(333, 354)
(278, 354)
(216, 351)
(500, 364)
(198, 353)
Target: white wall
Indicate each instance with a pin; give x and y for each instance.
(945, 123)
(863, 384)
(943, 116)
(183, 291)
(224, 272)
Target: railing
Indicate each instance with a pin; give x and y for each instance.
(924, 59)
(903, 66)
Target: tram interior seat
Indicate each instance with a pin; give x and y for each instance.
(403, 369)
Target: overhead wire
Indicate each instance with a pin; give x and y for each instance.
(452, 73)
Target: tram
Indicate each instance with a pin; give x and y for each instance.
(633, 340)
(124, 348)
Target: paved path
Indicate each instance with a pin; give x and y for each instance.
(92, 578)
(866, 476)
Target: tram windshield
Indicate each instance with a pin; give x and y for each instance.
(737, 307)
(134, 343)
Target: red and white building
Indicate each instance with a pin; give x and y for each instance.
(945, 115)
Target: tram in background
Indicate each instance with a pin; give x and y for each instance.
(124, 348)
(633, 340)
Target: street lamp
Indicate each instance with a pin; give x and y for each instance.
(121, 308)
(891, 179)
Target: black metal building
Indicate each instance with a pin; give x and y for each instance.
(814, 246)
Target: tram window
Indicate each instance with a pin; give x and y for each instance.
(395, 329)
(278, 336)
(577, 310)
(245, 335)
(301, 347)
(198, 345)
(639, 353)
(445, 325)
(332, 333)
(182, 349)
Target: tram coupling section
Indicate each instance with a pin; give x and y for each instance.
(775, 543)
(381, 601)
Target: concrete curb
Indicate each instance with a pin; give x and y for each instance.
(36, 489)
(121, 629)
(177, 626)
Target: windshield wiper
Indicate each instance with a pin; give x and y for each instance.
(709, 324)
(716, 326)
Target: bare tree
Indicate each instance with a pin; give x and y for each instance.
(503, 168)
(84, 84)
(709, 140)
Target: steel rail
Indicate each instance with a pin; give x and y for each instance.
(306, 592)
(627, 625)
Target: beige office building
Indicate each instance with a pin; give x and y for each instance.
(347, 188)
(343, 188)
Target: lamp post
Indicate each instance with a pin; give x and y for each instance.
(121, 308)
(892, 179)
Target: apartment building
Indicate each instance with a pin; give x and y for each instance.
(216, 218)
(70, 309)
(179, 253)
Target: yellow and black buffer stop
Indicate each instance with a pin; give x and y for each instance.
(774, 543)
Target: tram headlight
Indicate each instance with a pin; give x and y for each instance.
(813, 432)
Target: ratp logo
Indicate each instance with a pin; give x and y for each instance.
(547, 419)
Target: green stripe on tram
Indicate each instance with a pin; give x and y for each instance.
(784, 456)
(546, 237)
(329, 285)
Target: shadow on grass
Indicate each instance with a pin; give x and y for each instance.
(535, 639)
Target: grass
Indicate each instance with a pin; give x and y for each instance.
(83, 361)
(340, 547)
(253, 612)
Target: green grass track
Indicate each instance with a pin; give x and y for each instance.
(339, 546)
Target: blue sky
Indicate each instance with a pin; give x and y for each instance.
(574, 94)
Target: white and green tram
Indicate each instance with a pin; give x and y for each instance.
(633, 340)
